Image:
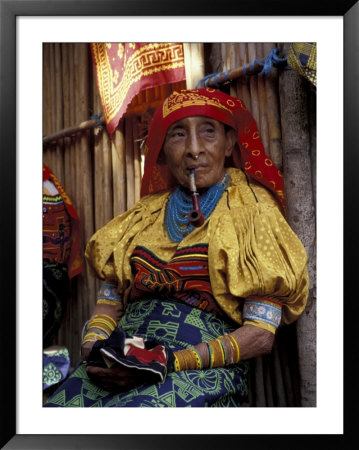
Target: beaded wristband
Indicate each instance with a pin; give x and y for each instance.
(198, 359)
(99, 327)
(104, 318)
(176, 364)
(236, 347)
(181, 361)
(187, 359)
(92, 337)
(218, 355)
(104, 301)
(223, 349)
(228, 354)
(210, 353)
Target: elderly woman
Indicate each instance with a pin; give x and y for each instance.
(199, 274)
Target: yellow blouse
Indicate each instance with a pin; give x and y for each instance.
(252, 251)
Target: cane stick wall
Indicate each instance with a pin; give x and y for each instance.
(102, 177)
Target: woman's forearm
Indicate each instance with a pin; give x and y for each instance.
(244, 343)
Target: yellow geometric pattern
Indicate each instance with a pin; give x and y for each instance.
(302, 57)
(139, 62)
(184, 99)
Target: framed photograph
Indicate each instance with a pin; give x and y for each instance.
(24, 27)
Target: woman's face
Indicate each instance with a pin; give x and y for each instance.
(198, 143)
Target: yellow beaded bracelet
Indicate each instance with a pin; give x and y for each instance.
(236, 347)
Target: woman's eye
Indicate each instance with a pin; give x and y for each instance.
(177, 133)
(208, 131)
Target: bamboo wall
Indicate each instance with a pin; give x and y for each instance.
(103, 180)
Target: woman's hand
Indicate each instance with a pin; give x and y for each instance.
(115, 378)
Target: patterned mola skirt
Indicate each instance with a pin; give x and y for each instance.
(179, 326)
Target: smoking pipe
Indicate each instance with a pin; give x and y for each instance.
(195, 216)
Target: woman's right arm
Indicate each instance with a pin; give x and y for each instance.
(104, 319)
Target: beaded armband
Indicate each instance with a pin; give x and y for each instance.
(108, 294)
(262, 310)
(219, 355)
(187, 359)
(99, 327)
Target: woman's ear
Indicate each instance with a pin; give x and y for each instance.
(231, 139)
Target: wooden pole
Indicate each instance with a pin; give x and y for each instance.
(129, 163)
(53, 108)
(68, 169)
(47, 154)
(273, 113)
(86, 176)
(234, 61)
(222, 77)
(119, 171)
(66, 117)
(51, 103)
(243, 82)
(262, 101)
(69, 324)
(107, 186)
(46, 119)
(287, 345)
(281, 399)
(72, 145)
(73, 130)
(194, 63)
(267, 377)
(103, 209)
(259, 396)
(137, 158)
(79, 306)
(253, 88)
(59, 113)
(98, 169)
(301, 213)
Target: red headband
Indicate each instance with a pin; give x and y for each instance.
(249, 155)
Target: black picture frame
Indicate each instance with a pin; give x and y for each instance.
(9, 10)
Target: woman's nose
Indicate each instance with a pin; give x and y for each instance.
(193, 146)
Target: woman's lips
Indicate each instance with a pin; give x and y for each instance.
(197, 167)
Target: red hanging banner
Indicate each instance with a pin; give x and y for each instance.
(124, 69)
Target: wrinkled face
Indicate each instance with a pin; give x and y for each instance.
(198, 143)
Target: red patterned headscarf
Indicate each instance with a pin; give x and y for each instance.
(248, 155)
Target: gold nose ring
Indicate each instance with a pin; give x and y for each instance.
(195, 157)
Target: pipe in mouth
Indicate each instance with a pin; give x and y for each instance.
(195, 216)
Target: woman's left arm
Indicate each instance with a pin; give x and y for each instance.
(244, 343)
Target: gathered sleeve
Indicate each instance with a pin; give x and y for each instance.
(109, 250)
(258, 266)
(108, 254)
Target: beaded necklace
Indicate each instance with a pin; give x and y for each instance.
(180, 204)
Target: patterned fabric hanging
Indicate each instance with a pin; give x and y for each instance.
(124, 69)
(302, 57)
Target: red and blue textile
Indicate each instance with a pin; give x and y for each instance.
(150, 360)
(56, 229)
(184, 278)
